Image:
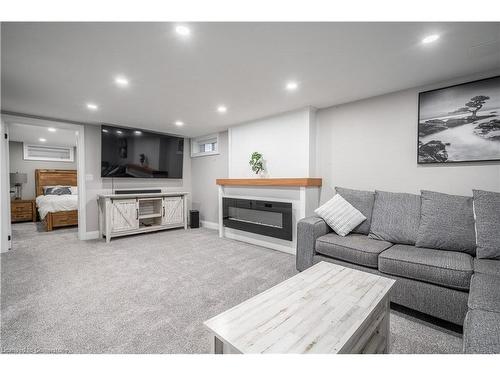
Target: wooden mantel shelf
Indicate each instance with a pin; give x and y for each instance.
(302, 182)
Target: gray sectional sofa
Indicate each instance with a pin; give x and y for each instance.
(428, 244)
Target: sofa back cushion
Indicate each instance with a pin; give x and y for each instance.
(446, 223)
(487, 213)
(395, 217)
(361, 200)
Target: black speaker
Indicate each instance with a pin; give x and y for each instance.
(194, 218)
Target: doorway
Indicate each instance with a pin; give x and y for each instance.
(43, 177)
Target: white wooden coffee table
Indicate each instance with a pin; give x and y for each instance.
(325, 309)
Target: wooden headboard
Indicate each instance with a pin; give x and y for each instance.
(51, 177)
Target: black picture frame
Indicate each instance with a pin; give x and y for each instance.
(421, 157)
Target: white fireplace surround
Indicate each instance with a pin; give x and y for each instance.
(304, 200)
(287, 142)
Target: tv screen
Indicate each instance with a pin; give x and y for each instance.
(140, 154)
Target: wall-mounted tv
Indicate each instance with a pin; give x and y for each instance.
(137, 153)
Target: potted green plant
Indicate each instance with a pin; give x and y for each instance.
(257, 162)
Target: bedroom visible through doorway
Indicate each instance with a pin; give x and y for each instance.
(44, 175)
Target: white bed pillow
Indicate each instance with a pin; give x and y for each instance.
(340, 215)
(74, 190)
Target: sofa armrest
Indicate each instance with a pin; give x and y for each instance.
(309, 230)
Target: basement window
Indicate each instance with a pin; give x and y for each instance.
(48, 153)
(204, 146)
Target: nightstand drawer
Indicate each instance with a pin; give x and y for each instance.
(22, 210)
(22, 207)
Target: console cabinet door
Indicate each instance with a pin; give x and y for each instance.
(124, 215)
(173, 212)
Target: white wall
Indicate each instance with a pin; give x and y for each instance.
(96, 185)
(18, 164)
(372, 144)
(205, 170)
(284, 140)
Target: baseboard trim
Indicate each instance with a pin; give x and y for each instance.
(209, 224)
(91, 235)
(254, 241)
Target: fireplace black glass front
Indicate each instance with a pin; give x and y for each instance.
(268, 218)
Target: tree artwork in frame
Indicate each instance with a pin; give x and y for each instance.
(460, 123)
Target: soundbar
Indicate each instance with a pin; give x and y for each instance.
(138, 191)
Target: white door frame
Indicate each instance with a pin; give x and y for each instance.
(5, 242)
(80, 163)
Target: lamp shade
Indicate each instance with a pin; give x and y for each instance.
(18, 178)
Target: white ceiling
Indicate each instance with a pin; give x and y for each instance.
(31, 134)
(53, 69)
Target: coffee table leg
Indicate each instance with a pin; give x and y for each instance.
(216, 345)
(386, 326)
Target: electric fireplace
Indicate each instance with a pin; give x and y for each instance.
(268, 218)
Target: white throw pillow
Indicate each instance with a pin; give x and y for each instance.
(340, 215)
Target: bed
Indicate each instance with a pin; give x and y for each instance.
(56, 210)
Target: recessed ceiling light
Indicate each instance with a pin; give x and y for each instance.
(42, 139)
(291, 86)
(137, 132)
(92, 106)
(222, 109)
(104, 130)
(182, 30)
(51, 129)
(121, 81)
(430, 39)
(119, 132)
(179, 123)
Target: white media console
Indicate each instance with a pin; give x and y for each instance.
(124, 214)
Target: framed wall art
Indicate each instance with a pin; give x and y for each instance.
(460, 123)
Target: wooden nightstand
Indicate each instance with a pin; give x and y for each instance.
(22, 210)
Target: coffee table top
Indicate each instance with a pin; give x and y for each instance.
(316, 311)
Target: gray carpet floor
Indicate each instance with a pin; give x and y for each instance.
(146, 293)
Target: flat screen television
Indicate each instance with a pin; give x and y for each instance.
(141, 154)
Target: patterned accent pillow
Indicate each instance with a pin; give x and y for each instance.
(45, 188)
(340, 215)
(361, 200)
(57, 190)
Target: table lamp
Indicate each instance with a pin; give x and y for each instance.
(18, 179)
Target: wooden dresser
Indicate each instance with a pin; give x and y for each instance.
(22, 210)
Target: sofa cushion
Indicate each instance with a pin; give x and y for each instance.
(482, 332)
(446, 223)
(445, 268)
(487, 212)
(487, 266)
(484, 293)
(363, 201)
(340, 215)
(354, 248)
(395, 217)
